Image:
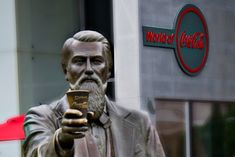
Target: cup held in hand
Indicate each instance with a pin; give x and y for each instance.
(78, 99)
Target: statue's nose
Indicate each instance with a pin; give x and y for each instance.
(89, 70)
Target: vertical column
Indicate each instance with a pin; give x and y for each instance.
(126, 52)
(25, 55)
(8, 72)
(188, 128)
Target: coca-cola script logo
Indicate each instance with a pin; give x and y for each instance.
(189, 39)
(194, 41)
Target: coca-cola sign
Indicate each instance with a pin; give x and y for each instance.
(189, 39)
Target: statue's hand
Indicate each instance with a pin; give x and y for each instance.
(73, 127)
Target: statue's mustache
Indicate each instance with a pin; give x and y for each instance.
(89, 79)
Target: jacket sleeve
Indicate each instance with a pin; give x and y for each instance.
(152, 143)
(41, 130)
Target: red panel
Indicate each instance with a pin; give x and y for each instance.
(12, 129)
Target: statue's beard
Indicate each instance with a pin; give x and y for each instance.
(96, 100)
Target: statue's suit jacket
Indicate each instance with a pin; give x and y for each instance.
(132, 133)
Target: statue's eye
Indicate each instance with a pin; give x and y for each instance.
(78, 60)
(97, 60)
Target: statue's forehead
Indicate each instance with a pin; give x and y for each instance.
(85, 47)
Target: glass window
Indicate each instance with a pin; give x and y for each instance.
(198, 129)
(42, 29)
(213, 129)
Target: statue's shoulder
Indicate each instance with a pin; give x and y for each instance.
(46, 109)
(43, 107)
(132, 115)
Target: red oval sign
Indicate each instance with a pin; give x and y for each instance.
(192, 41)
(189, 39)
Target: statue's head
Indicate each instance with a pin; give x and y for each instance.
(85, 55)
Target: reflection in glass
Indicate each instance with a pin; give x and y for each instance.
(213, 132)
(170, 122)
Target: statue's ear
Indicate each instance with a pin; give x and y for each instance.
(66, 75)
(64, 67)
(66, 78)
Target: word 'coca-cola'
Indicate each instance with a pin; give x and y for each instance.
(194, 41)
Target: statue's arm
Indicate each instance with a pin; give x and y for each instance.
(41, 130)
(153, 144)
(148, 143)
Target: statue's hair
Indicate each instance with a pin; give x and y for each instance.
(87, 36)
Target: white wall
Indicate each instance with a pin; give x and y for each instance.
(9, 105)
(126, 52)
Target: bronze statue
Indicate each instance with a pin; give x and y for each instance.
(55, 130)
